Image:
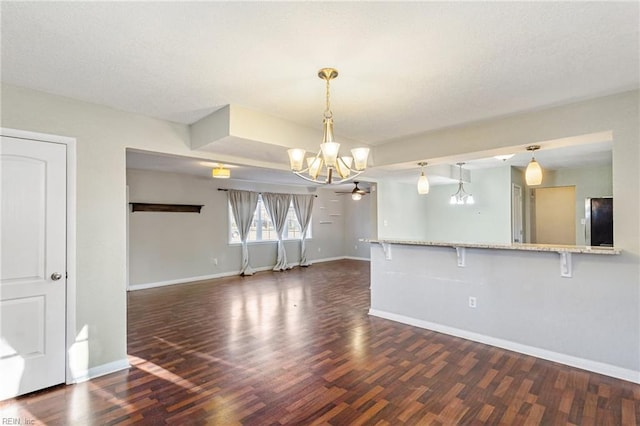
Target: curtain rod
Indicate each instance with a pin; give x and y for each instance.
(226, 189)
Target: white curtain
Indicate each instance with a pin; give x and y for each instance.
(303, 205)
(243, 206)
(277, 206)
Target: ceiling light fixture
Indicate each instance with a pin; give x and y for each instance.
(503, 157)
(327, 161)
(533, 174)
(461, 196)
(357, 193)
(423, 182)
(220, 172)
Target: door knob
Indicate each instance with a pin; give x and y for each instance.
(56, 276)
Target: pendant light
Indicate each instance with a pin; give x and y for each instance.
(533, 174)
(423, 182)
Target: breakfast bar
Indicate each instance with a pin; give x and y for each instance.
(512, 296)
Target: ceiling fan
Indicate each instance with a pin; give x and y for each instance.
(356, 193)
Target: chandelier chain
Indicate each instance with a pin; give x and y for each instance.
(327, 111)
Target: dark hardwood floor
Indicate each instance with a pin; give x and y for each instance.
(298, 347)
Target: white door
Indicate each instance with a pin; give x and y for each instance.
(32, 267)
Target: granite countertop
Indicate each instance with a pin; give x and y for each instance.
(515, 246)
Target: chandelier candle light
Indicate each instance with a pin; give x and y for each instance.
(461, 196)
(327, 162)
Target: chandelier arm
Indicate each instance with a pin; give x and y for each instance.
(334, 182)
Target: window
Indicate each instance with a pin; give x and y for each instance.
(262, 229)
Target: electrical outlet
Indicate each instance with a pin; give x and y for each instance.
(355, 247)
(472, 302)
(215, 260)
(319, 249)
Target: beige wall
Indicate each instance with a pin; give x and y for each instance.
(181, 246)
(616, 113)
(555, 215)
(592, 318)
(358, 223)
(103, 134)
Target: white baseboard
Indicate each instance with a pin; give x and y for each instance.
(326, 259)
(144, 286)
(365, 259)
(134, 287)
(331, 259)
(100, 370)
(186, 280)
(582, 363)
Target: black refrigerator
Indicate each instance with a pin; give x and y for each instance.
(599, 221)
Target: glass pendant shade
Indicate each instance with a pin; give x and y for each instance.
(330, 153)
(315, 165)
(453, 200)
(423, 184)
(533, 174)
(343, 165)
(356, 196)
(296, 158)
(360, 156)
(470, 199)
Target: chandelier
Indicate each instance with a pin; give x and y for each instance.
(327, 166)
(461, 196)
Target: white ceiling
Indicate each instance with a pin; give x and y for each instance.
(405, 67)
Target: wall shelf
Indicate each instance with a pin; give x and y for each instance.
(156, 207)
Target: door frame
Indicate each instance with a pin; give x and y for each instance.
(520, 219)
(70, 323)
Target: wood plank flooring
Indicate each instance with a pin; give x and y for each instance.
(298, 348)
